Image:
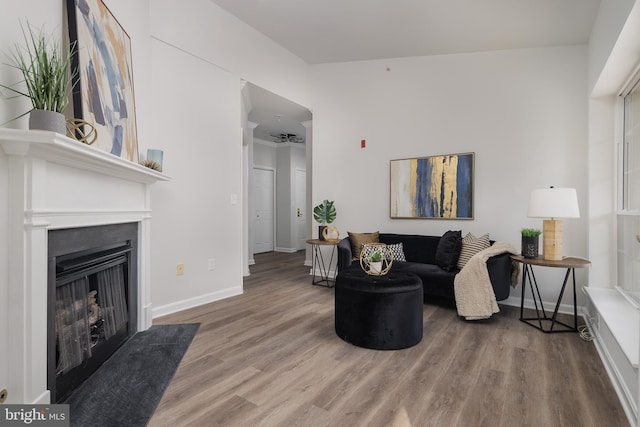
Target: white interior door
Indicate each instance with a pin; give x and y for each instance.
(264, 209)
(300, 203)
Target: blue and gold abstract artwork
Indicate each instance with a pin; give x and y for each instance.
(104, 96)
(433, 187)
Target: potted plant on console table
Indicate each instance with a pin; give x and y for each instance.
(530, 237)
(46, 68)
(324, 213)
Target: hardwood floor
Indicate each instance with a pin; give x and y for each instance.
(270, 357)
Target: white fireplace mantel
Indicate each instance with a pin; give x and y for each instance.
(56, 182)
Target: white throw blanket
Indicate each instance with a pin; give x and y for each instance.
(475, 298)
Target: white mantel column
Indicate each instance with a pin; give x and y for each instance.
(308, 125)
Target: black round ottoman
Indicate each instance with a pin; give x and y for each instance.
(379, 312)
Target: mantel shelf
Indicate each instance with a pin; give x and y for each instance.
(60, 149)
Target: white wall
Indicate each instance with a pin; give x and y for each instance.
(189, 106)
(193, 216)
(523, 113)
(264, 153)
(209, 32)
(283, 199)
(51, 16)
(604, 74)
(211, 52)
(613, 56)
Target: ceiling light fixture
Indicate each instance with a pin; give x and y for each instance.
(287, 137)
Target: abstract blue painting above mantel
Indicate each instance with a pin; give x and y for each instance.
(104, 95)
(432, 187)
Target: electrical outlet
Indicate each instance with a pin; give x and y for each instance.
(180, 269)
(211, 264)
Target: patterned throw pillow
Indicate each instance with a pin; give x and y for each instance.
(397, 251)
(471, 245)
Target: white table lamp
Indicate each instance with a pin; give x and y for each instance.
(552, 204)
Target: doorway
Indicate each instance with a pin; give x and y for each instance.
(264, 183)
(300, 202)
(277, 138)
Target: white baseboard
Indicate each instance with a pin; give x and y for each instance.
(548, 306)
(308, 263)
(286, 250)
(252, 261)
(174, 307)
(332, 272)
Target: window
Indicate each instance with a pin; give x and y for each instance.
(629, 205)
(631, 151)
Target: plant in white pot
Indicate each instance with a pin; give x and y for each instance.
(375, 262)
(45, 64)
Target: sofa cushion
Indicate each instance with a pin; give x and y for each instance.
(471, 245)
(397, 252)
(358, 239)
(448, 249)
(416, 248)
(435, 280)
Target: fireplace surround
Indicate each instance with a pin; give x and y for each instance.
(92, 310)
(56, 183)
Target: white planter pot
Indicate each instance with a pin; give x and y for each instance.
(47, 120)
(375, 267)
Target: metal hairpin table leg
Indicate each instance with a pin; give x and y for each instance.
(324, 278)
(541, 315)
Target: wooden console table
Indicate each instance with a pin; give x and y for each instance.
(570, 264)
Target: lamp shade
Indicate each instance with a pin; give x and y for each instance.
(554, 203)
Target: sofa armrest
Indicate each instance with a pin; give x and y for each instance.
(499, 268)
(344, 254)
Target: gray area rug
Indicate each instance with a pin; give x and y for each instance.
(127, 388)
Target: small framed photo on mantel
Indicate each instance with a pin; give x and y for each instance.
(434, 187)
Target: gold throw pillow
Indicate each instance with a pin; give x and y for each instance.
(358, 239)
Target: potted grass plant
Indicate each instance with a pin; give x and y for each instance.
(324, 213)
(45, 65)
(530, 238)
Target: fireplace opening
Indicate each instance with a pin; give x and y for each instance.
(92, 294)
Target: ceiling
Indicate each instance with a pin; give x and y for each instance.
(321, 31)
(275, 114)
(325, 31)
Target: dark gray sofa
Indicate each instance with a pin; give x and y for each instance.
(420, 253)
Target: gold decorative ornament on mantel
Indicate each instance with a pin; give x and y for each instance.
(77, 129)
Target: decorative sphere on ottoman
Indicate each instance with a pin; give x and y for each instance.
(376, 259)
(379, 312)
